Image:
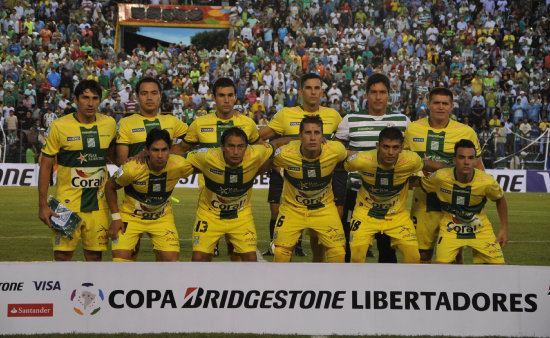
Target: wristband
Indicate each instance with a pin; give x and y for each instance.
(115, 216)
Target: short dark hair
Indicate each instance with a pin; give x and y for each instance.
(157, 134)
(316, 119)
(464, 143)
(440, 91)
(223, 82)
(378, 78)
(391, 133)
(147, 79)
(83, 85)
(309, 77)
(234, 131)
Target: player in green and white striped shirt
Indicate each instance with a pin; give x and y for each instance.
(359, 131)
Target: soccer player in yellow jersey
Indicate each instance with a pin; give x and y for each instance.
(307, 200)
(133, 129)
(81, 142)
(287, 123)
(463, 192)
(206, 131)
(224, 202)
(381, 201)
(434, 138)
(146, 207)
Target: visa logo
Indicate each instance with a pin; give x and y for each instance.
(46, 285)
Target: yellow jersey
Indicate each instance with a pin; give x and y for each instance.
(206, 131)
(81, 151)
(133, 130)
(147, 192)
(463, 203)
(287, 121)
(307, 182)
(383, 188)
(228, 190)
(438, 144)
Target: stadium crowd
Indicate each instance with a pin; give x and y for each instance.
(493, 55)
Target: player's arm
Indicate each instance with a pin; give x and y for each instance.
(431, 166)
(110, 194)
(44, 211)
(345, 143)
(181, 148)
(502, 210)
(122, 151)
(479, 164)
(267, 133)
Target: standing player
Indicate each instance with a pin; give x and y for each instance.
(133, 129)
(287, 123)
(382, 198)
(206, 131)
(81, 142)
(463, 192)
(146, 207)
(224, 202)
(434, 138)
(307, 198)
(359, 131)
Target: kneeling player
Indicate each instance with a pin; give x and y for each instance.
(146, 207)
(224, 203)
(463, 192)
(382, 198)
(307, 200)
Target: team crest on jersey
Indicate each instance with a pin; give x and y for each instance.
(294, 168)
(91, 143)
(216, 171)
(138, 130)
(418, 139)
(353, 157)
(445, 190)
(73, 138)
(384, 181)
(233, 178)
(434, 145)
(119, 172)
(156, 187)
(311, 173)
(294, 123)
(460, 200)
(207, 130)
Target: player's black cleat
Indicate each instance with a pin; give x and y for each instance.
(216, 251)
(269, 251)
(298, 251)
(370, 253)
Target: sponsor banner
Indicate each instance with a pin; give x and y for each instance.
(12, 174)
(174, 16)
(385, 299)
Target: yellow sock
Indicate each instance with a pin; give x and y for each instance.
(282, 255)
(336, 255)
(359, 253)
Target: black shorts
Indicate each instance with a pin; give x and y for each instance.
(339, 181)
(275, 187)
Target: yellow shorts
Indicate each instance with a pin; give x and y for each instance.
(399, 227)
(240, 231)
(162, 231)
(325, 222)
(93, 230)
(425, 222)
(484, 248)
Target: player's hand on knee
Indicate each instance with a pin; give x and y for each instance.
(115, 227)
(44, 213)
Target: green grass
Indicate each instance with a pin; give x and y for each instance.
(23, 237)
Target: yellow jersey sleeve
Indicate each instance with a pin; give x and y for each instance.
(192, 136)
(52, 143)
(278, 122)
(124, 134)
(493, 190)
(180, 128)
(123, 176)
